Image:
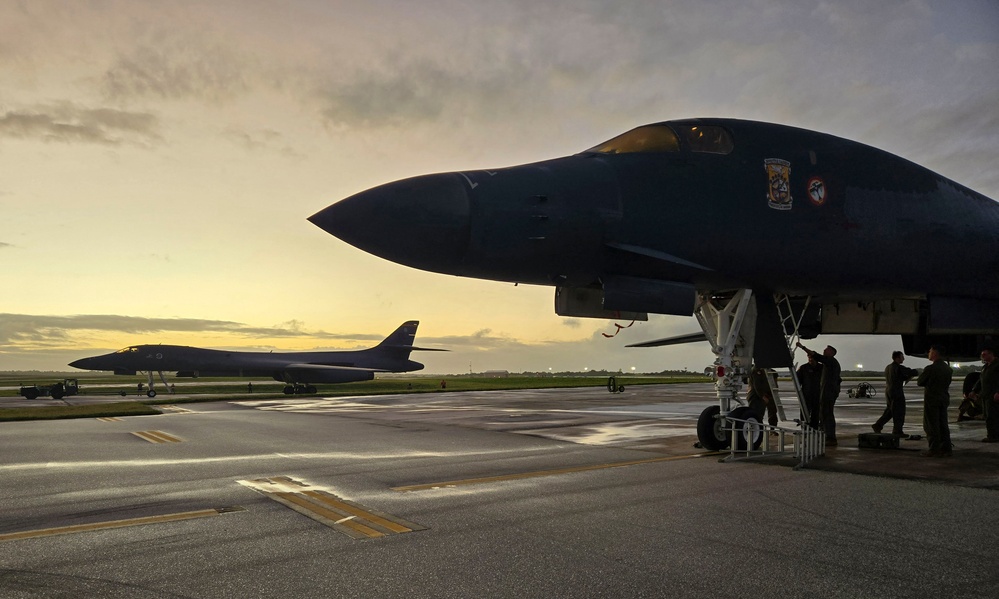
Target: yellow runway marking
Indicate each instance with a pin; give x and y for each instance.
(110, 419)
(537, 473)
(157, 437)
(347, 517)
(63, 530)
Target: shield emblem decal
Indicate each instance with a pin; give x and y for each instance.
(779, 179)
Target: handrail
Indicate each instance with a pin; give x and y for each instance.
(806, 443)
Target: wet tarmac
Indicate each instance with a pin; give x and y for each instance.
(546, 493)
(659, 419)
(662, 419)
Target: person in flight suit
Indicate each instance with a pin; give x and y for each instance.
(896, 375)
(935, 380)
(810, 380)
(760, 397)
(830, 387)
(986, 391)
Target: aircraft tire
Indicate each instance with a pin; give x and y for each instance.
(751, 430)
(289, 390)
(709, 430)
(620, 389)
(151, 393)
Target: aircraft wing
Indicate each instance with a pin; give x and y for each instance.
(323, 373)
(677, 340)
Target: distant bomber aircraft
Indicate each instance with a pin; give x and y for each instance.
(298, 369)
(766, 233)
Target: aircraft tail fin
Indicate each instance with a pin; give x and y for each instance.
(402, 338)
(399, 344)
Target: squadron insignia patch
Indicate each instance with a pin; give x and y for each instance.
(816, 191)
(779, 176)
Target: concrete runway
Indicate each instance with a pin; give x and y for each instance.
(549, 493)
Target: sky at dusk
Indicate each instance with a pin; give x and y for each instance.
(158, 160)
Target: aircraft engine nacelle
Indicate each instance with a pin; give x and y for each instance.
(649, 295)
(588, 302)
(629, 298)
(321, 375)
(962, 326)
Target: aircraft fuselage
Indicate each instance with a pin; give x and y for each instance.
(645, 221)
(845, 218)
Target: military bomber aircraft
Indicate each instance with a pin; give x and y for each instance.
(766, 233)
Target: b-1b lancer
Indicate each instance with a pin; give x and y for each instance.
(298, 369)
(766, 233)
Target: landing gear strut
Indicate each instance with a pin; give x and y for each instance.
(151, 393)
(729, 322)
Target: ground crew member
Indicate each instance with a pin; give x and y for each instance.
(896, 375)
(830, 387)
(971, 407)
(810, 380)
(986, 391)
(935, 380)
(760, 397)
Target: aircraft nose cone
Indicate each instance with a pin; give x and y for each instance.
(421, 222)
(82, 363)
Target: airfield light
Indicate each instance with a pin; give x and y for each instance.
(633, 369)
(860, 366)
(957, 364)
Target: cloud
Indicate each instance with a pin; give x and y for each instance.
(483, 339)
(68, 123)
(4, 245)
(381, 100)
(262, 139)
(176, 69)
(19, 329)
(56, 331)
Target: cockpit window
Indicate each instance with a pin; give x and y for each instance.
(706, 138)
(127, 350)
(647, 139)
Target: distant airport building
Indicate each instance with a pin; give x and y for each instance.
(496, 374)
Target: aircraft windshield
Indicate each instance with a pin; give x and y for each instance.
(706, 138)
(127, 350)
(647, 139)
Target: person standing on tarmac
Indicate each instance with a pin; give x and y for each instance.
(935, 380)
(830, 387)
(760, 397)
(896, 375)
(986, 391)
(810, 379)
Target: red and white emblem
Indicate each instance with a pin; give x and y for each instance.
(817, 191)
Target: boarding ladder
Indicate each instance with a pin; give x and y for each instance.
(805, 442)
